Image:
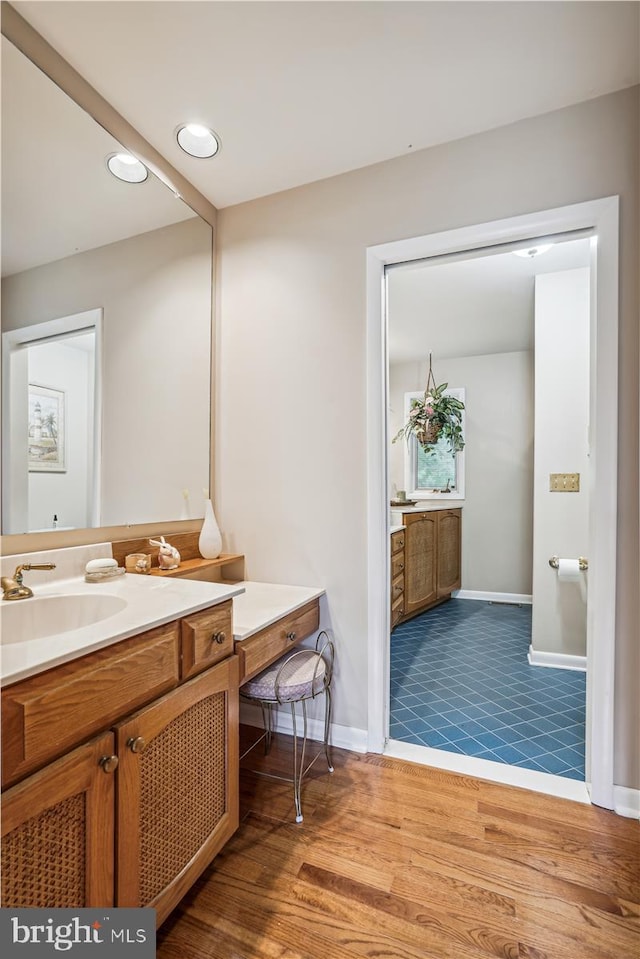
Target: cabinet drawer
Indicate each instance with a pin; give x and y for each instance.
(265, 647)
(397, 610)
(207, 637)
(397, 541)
(397, 588)
(45, 715)
(397, 565)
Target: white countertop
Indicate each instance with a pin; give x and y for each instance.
(261, 604)
(150, 601)
(426, 506)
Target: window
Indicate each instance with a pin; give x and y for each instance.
(439, 470)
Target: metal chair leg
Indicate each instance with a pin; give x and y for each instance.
(267, 723)
(298, 766)
(327, 727)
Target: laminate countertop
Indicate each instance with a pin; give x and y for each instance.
(427, 506)
(258, 605)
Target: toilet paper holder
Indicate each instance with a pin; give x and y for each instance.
(583, 563)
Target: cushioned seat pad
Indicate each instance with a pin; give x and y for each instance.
(296, 679)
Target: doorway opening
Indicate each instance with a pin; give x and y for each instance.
(508, 334)
(51, 432)
(599, 217)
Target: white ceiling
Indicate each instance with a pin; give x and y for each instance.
(299, 91)
(58, 197)
(470, 307)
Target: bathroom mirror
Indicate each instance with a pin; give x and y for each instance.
(106, 325)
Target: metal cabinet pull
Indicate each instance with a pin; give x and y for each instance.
(218, 638)
(108, 763)
(137, 744)
(291, 636)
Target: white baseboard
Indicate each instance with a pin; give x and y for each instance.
(556, 660)
(343, 737)
(481, 594)
(626, 802)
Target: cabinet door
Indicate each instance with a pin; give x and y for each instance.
(58, 832)
(177, 788)
(420, 587)
(449, 551)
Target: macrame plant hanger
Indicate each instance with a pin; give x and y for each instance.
(430, 433)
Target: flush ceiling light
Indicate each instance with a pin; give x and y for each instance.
(197, 140)
(126, 167)
(532, 251)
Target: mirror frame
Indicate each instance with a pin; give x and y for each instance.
(26, 39)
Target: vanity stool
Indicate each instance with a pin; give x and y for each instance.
(295, 678)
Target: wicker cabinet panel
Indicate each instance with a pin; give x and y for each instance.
(420, 583)
(449, 543)
(58, 833)
(177, 788)
(432, 558)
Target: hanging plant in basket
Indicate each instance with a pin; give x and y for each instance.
(434, 416)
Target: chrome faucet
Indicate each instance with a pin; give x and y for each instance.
(14, 588)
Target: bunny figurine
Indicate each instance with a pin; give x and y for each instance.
(168, 556)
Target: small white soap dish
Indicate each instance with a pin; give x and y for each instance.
(99, 570)
(102, 575)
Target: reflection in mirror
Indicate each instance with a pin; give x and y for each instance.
(106, 323)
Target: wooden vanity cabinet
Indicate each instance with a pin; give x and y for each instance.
(420, 554)
(177, 802)
(133, 816)
(264, 647)
(58, 832)
(449, 566)
(397, 576)
(432, 558)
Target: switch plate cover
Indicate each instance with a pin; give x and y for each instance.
(564, 482)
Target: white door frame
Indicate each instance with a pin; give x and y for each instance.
(601, 215)
(14, 468)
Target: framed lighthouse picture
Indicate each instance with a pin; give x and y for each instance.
(46, 430)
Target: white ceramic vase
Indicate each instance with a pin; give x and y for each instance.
(210, 542)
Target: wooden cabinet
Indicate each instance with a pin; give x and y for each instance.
(171, 767)
(45, 715)
(432, 558)
(264, 647)
(448, 567)
(397, 576)
(177, 788)
(58, 832)
(207, 638)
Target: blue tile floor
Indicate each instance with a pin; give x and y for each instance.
(460, 681)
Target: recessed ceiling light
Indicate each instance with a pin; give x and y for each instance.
(197, 140)
(126, 167)
(531, 251)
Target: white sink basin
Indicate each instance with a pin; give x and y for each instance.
(39, 617)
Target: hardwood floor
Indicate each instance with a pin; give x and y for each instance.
(399, 861)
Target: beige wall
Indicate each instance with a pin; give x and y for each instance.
(291, 417)
(561, 520)
(155, 290)
(497, 526)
